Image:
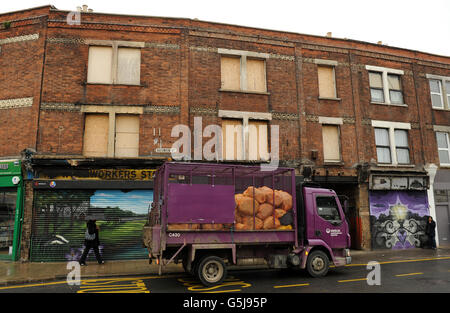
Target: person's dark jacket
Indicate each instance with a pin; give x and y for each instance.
(430, 228)
(92, 228)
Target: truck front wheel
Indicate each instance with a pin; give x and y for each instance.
(211, 270)
(317, 264)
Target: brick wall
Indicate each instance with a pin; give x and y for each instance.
(180, 77)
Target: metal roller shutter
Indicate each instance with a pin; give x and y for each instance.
(59, 223)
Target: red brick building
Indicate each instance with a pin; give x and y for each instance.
(369, 120)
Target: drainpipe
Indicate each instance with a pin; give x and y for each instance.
(431, 170)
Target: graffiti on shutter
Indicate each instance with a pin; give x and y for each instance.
(59, 223)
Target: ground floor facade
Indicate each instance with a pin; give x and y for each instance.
(61, 198)
(386, 209)
(11, 205)
(441, 189)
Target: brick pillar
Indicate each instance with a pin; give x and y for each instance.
(25, 240)
(363, 214)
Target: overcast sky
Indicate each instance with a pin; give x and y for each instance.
(422, 25)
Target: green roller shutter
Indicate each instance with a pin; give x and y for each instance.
(59, 223)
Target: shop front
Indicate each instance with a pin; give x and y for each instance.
(118, 199)
(442, 203)
(398, 210)
(11, 204)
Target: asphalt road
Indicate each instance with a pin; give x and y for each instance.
(424, 276)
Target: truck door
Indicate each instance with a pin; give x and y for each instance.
(329, 221)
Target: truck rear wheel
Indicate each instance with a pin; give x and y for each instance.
(317, 264)
(211, 270)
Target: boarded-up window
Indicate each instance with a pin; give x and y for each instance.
(129, 66)
(100, 65)
(330, 136)
(256, 75)
(127, 136)
(232, 140)
(258, 141)
(327, 87)
(95, 141)
(231, 73)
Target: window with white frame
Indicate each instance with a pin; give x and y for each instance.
(443, 144)
(112, 62)
(439, 91)
(385, 85)
(383, 145)
(391, 141)
(243, 70)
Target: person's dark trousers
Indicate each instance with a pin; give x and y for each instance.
(87, 248)
(433, 242)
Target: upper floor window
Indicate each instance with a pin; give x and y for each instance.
(233, 140)
(245, 135)
(111, 135)
(327, 82)
(439, 91)
(443, 143)
(113, 62)
(391, 141)
(243, 70)
(385, 85)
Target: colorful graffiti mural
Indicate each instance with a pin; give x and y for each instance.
(398, 219)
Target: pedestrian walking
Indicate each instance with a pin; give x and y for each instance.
(91, 241)
(430, 231)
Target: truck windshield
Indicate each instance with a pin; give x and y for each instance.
(327, 208)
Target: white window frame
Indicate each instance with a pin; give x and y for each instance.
(445, 149)
(243, 66)
(115, 45)
(445, 94)
(392, 126)
(446, 131)
(384, 74)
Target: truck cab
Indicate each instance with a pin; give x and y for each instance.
(323, 229)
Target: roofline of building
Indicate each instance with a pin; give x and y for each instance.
(264, 29)
(51, 7)
(280, 32)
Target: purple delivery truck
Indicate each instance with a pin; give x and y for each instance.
(209, 216)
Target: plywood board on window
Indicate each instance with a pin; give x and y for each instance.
(327, 87)
(95, 142)
(230, 73)
(127, 136)
(330, 136)
(256, 75)
(100, 65)
(129, 66)
(258, 140)
(232, 147)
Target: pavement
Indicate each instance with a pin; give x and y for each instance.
(13, 273)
